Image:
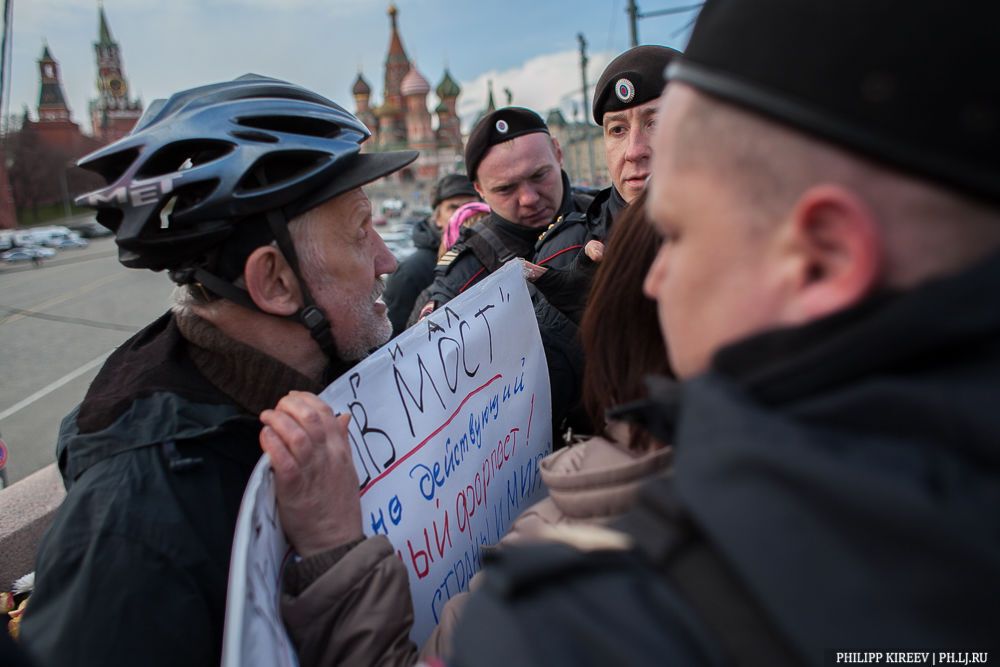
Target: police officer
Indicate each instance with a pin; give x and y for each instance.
(516, 166)
(416, 272)
(625, 103)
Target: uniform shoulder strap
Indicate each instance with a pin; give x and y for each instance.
(488, 247)
(663, 531)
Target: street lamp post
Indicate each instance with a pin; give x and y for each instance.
(586, 125)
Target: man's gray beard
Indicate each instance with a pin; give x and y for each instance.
(376, 329)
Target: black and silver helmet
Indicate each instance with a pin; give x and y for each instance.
(226, 166)
(199, 163)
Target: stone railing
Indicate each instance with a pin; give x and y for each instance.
(26, 510)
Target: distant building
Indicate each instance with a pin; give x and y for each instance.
(579, 141)
(43, 151)
(55, 128)
(403, 120)
(112, 114)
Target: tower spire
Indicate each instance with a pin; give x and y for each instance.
(490, 104)
(103, 31)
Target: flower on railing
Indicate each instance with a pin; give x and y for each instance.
(14, 602)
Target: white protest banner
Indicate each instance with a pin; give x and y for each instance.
(254, 634)
(449, 423)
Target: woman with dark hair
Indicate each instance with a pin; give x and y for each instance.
(620, 330)
(592, 481)
(596, 479)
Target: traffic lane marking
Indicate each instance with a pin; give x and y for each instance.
(48, 389)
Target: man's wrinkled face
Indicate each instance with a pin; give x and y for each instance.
(343, 269)
(628, 148)
(521, 179)
(714, 278)
(447, 208)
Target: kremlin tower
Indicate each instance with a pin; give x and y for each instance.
(112, 114)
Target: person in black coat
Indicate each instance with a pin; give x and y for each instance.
(827, 292)
(416, 272)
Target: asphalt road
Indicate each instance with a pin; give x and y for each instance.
(57, 324)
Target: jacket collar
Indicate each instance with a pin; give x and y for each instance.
(902, 332)
(607, 205)
(159, 387)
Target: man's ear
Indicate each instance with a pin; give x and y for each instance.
(271, 283)
(557, 150)
(837, 250)
(479, 189)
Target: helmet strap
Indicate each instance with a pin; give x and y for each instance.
(310, 315)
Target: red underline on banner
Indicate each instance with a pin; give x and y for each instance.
(427, 439)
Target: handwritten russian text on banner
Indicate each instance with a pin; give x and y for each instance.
(449, 423)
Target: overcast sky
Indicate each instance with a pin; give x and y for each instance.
(529, 46)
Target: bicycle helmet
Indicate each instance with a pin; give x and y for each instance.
(217, 163)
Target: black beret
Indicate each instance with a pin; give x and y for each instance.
(863, 74)
(497, 127)
(633, 78)
(452, 185)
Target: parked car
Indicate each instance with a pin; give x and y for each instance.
(392, 208)
(27, 254)
(70, 242)
(420, 213)
(91, 230)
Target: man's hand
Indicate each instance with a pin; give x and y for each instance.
(315, 481)
(426, 310)
(533, 272)
(594, 250)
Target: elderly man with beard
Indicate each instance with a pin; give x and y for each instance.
(248, 193)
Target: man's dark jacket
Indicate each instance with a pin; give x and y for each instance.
(603, 211)
(845, 473)
(413, 275)
(133, 570)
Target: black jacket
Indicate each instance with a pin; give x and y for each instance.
(413, 275)
(603, 211)
(133, 570)
(847, 473)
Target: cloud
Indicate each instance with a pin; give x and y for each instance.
(542, 83)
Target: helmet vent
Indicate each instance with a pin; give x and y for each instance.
(301, 125)
(111, 167)
(283, 167)
(182, 155)
(190, 195)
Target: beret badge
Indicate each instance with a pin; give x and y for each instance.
(624, 90)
